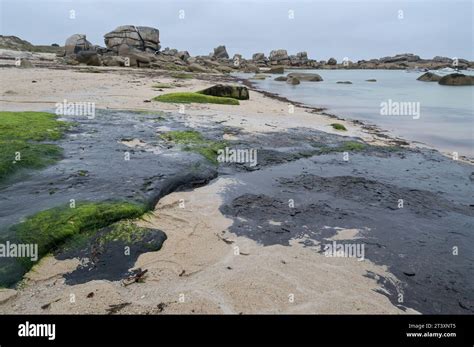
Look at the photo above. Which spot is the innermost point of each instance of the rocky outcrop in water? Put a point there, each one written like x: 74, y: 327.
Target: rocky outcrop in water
x: 310, y: 77
x: 429, y: 77
x: 293, y: 81
x: 411, y: 61
x: 457, y: 79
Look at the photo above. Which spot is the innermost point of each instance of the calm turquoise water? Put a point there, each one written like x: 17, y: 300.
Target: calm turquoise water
x: 446, y: 117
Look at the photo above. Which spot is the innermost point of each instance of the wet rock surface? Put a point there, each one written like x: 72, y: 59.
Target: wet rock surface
x: 456, y: 79
x: 228, y: 91
x: 425, y: 242
x: 98, y: 166
x: 111, y: 252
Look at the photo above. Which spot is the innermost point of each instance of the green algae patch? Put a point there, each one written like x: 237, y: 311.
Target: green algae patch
x: 127, y: 232
x: 352, y: 146
x: 21, y: 137
x: 338, y: 126
x: 195, y: 142
x: 187, y: 98
x: 347, y: 146
x: 51, y: 228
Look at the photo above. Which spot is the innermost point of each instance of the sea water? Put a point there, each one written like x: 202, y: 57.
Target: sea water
x: 446, y: 113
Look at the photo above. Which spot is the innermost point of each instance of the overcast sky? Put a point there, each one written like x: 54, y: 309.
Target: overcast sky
x: 324, y: 28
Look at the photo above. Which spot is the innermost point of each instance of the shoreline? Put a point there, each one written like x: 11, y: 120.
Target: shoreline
x: 378, y: 132
x: 373, y: 129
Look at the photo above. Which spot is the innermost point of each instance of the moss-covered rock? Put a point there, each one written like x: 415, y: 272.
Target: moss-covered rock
x: 227, y: 91
x: 187, y: 98
x: 49, y: 229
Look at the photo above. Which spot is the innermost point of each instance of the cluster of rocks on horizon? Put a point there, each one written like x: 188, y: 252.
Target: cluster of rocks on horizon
x: 139, y: 46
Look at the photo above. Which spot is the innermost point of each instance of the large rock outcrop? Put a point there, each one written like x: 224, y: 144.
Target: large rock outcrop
x: 258, y: 57
x: 220, y: 53
x: 90, y: 57
x: 133, y: 37
x: 300, y: 59
x: 77, y: 43
x: 279, y: 57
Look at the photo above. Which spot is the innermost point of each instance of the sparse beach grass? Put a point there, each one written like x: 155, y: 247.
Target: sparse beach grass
x: 187, y: 98
x: 21, y: 134
x: 195, y: 142
x: 338, y: 126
